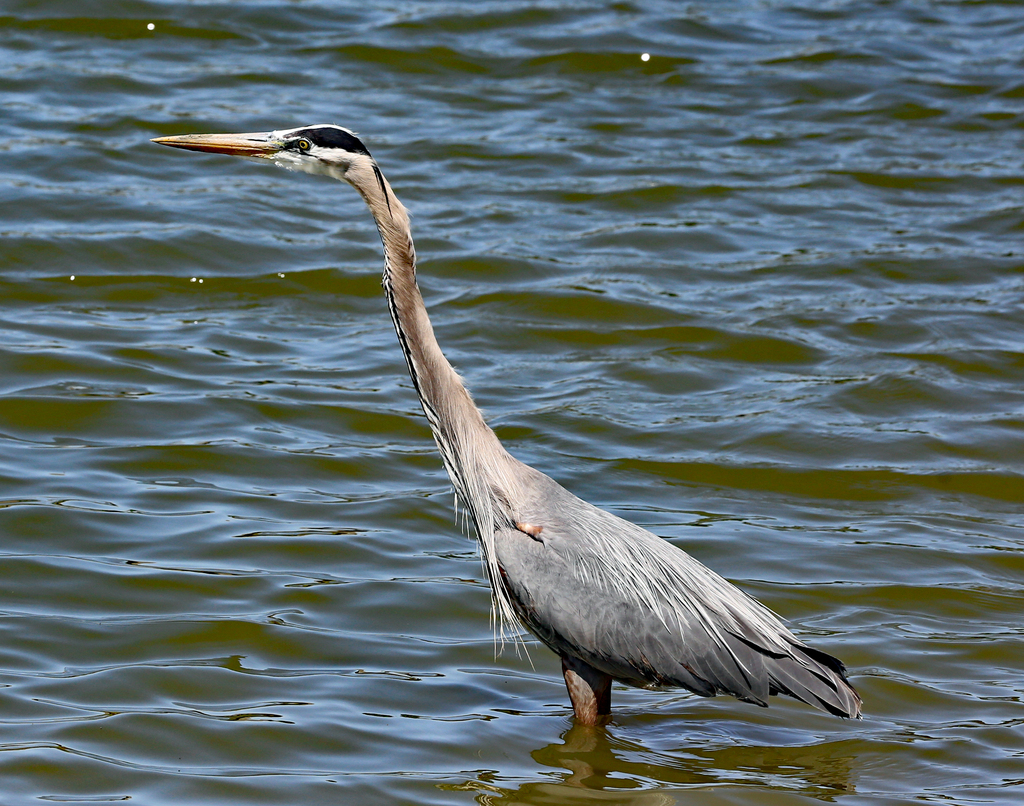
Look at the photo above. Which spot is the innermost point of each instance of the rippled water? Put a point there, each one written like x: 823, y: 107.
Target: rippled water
x: 761, y: 293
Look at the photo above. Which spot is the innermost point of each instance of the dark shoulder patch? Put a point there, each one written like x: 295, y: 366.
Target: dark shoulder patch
x: 333, y: 137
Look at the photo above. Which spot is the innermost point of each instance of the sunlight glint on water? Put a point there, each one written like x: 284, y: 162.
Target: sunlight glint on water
x: 759, y: 293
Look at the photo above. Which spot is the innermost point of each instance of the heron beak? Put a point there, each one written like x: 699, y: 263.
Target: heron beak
x: 252, y: 144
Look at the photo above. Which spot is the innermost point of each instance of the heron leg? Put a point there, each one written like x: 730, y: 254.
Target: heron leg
x: 589, y: 690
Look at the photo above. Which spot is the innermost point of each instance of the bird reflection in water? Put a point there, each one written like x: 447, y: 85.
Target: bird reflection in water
x: 601, y: 767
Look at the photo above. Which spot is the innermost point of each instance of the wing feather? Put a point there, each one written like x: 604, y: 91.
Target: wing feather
x: 631, y: 604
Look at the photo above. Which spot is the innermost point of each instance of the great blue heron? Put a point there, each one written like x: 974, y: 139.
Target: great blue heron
x: 613, y: 600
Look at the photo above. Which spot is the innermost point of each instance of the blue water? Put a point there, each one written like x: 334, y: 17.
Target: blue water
x: 760, y: 293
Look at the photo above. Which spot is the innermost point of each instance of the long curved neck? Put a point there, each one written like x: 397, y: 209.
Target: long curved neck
x: 485, y: 477
x: 474, y: 458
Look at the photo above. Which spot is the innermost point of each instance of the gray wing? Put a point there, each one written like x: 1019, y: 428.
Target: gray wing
x: 598, y: 588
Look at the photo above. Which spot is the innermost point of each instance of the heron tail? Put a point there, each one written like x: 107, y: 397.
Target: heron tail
x: 816, y: 678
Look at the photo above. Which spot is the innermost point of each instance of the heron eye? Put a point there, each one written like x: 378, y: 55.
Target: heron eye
x: 303, y: 145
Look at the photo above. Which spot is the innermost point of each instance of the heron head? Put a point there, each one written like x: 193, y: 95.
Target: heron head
x: 322, y: 148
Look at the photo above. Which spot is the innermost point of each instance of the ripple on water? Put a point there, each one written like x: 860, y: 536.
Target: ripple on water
x: 759, y: 293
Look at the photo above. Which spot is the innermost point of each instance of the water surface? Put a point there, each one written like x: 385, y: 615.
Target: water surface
x: 760, y: 293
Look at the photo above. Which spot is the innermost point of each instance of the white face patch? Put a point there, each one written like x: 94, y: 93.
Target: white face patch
x: 316, y: 160
x: 299, y: 161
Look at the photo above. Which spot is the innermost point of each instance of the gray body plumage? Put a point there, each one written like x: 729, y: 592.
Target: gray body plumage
x: 613, y: 600
x: 632, y: 605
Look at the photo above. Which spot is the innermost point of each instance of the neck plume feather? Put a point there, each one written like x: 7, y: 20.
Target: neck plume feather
x: 480, y: 469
